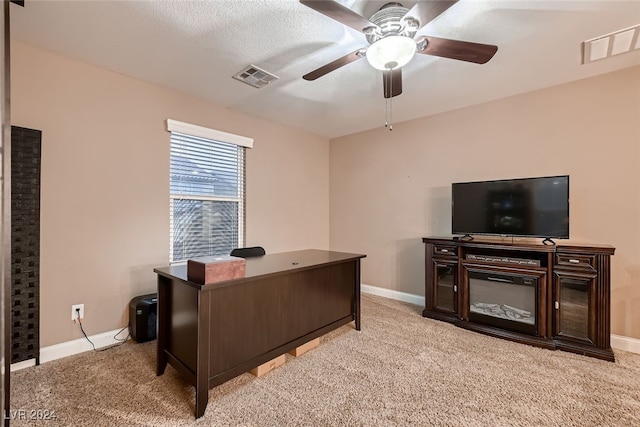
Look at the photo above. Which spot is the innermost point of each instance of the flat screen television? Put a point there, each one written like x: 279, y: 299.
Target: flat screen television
x: 526, y: 207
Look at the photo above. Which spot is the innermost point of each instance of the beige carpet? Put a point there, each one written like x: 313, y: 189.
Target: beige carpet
x: 400, y: 370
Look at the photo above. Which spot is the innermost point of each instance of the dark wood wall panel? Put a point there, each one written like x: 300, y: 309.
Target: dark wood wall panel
x: 25, y: 244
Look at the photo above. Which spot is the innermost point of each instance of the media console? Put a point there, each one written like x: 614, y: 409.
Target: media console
x: 550, y: 296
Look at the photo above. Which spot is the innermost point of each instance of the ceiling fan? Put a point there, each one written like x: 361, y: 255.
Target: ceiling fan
x: 390, y: 33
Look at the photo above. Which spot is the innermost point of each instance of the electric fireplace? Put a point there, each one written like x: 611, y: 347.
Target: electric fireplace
x: 504, y: 300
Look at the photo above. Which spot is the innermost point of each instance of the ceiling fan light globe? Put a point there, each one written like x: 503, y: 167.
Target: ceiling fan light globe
x: 391, y: 52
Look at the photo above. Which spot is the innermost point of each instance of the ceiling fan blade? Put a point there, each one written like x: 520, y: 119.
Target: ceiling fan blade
x: 456, y: 49
x: 392, y: 82
x: 427, y: 11
x: 340, y: 13
x: 334, y: 65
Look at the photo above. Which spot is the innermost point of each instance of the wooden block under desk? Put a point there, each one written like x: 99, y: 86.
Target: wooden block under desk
x: 268, y: 366
x: 299, y: 351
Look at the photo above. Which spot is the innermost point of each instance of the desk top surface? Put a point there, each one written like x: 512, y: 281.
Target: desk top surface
x: 267, y: 265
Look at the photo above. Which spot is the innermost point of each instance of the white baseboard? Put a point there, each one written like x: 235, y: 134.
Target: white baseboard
x: 619, y: 342
x: 69, y: 348
x: 391, y: 294
x: 24, y: 364
x: 625, y: 343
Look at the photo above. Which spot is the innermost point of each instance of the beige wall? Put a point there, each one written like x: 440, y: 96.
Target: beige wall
x: 389, y: 189
x: 105, y: 184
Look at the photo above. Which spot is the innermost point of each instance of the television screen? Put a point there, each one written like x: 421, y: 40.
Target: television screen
x: 533, y: 207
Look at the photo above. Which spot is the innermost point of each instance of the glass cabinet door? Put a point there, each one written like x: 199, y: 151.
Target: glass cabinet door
x: 445, y: 287
x: 574, y: 314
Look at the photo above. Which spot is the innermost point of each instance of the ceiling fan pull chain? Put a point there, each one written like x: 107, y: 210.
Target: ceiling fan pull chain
x: 389, y: 106
x: 390, y: 115
x: 389, y: 119
x: 386, y: 113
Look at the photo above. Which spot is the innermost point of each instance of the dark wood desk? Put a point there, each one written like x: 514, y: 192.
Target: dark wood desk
x: 212, y: 333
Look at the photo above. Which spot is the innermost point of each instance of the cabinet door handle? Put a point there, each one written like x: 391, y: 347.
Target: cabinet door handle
x: 574, y: 261
x: 557, y: 305
x: 444, y: 251
x: 455, y: 288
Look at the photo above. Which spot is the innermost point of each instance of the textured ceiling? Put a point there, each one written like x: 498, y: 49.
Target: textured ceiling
x: 196, y: 46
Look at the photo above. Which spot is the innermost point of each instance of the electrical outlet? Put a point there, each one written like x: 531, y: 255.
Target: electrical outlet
x: 74, y: 313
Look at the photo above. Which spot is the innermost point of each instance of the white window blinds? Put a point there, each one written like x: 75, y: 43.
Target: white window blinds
x: 207, y: 196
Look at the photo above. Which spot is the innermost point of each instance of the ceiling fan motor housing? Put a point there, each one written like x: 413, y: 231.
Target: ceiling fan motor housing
x: 390, y: 22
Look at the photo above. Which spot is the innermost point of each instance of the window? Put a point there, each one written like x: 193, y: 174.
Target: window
x: 206, y: 192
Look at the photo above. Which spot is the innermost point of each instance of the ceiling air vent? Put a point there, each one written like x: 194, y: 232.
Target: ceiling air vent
x: 611, y: 44
x: 255, y: 76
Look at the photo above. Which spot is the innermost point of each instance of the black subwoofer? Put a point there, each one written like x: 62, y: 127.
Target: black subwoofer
x: 142, y: 317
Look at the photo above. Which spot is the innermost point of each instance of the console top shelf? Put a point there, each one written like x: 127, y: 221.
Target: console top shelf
x: 520, y: 244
